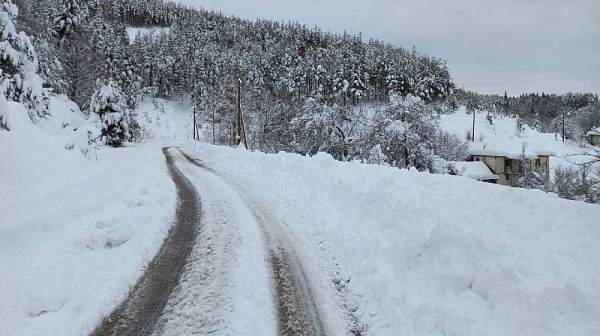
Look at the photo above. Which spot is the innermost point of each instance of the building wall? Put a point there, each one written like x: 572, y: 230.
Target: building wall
x: 496, y: 165
x: 594, y: 140
x: 509, y: 171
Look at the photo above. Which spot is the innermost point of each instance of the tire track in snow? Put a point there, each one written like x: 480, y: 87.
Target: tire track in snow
x: 297, y: 310
x: 139, y: 312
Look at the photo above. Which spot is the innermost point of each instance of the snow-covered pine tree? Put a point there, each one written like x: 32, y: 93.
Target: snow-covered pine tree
x: 109, y: 109
x: 50, y: 68
x: 19, y: 65
x: 67, y: 18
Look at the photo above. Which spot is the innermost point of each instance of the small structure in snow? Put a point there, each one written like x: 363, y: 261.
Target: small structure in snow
x: 593, y: 136
x: 476, y: 170
x: 509, y: 165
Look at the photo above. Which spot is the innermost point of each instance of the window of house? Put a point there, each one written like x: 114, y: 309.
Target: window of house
x: 538, y: 162
x: 476, y: 159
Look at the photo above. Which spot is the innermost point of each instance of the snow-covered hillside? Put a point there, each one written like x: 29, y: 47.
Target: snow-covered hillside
x: 503, y: 135
x: 165, y: 119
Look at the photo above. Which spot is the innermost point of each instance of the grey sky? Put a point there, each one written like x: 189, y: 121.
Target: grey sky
x: 491, y: 46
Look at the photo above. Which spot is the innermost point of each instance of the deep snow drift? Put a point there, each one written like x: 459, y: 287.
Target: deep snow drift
x: 434, y: 254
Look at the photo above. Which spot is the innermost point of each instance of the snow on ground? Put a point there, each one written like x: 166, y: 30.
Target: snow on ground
x: 35, y: 161
x: 502, y: 136
x: 431, y: 254
x: 164, y: 119
x: 133, y: 32
x: 74, y: 253
x: 75, y: 234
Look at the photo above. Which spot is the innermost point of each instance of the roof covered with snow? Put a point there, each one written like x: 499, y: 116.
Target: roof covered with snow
x: 476, y: 170
x: 512, y: 149
x: 593, y: 131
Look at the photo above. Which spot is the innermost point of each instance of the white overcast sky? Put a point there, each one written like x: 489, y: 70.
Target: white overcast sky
x: 491, y: 46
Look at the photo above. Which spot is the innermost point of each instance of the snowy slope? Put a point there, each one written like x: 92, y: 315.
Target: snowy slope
x: 502, y: 135
x: 133, y: 32
x: 74, y: 233
x: 164, y: 119
x: 432, y: 254
x: 35, y: 159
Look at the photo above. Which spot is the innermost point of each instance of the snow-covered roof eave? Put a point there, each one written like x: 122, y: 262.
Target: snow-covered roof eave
x: 545, y: 153
x: 528, y: 155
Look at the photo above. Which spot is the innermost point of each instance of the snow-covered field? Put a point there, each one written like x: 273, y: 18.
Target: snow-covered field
x: 414, y: 253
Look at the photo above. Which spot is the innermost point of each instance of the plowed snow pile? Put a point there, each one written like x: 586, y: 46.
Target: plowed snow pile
x: 433, y: 254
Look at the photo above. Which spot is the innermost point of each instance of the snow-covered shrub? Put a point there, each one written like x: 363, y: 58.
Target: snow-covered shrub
x: 109, y: 111
x: 321, y: 128
x: 85, y: 138
x: 19, y: 80
x: 580, y: 185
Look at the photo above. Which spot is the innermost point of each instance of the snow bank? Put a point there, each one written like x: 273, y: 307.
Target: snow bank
x: 36, y: 161
x: 71, y: 256
x: 432, y: 254
x: 75, y: 234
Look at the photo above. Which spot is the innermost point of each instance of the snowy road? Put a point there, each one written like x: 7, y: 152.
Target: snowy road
x: 235, y: 273
x: 297, y: 313
x: 138, y: 314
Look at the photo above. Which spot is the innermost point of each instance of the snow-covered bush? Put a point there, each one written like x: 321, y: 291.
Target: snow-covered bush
x: 19, y: 80
x: 577, y: 184
x: 85, y: 138
x: 108, y: 109
x: 320, y: 128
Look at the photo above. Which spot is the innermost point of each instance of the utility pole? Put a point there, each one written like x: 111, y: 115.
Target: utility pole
x: 473, y: 126
x: 240, y: 118
x: 195, y: 131
x: 213, y: 120
x: 563, y: 119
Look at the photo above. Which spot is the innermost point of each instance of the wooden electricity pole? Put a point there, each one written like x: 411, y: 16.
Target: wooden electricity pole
x: 195, y: 131
x: 473, y: 126
x: 563, y: 119
x: 241, y: 128
x: 239, y: 113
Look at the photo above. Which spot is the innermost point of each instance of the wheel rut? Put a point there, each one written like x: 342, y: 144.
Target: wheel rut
x: 297, y: 311
x: 141, y: 309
